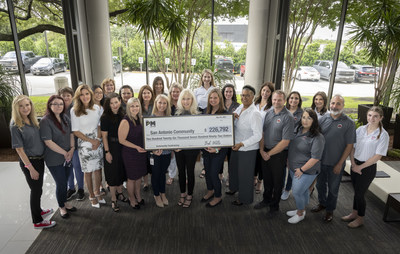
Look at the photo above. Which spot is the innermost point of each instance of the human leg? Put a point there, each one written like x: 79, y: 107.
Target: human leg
x: 246, y: 189
x: 233, y: 172
x: 190, y: 165
x: 181, y: 163
x: 333, y: 189
x: 61, y: 178
x: 322, y: 184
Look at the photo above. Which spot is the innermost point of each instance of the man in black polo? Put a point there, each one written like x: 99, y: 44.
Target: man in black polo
x: 278, y: 130
x: 340, y: 135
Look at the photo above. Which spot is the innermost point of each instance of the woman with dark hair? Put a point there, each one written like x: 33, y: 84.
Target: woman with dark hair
x: 305, y: 152
x: 263, y: 102
x: 113, y: 165
x: 55, y: 131
x: 146, y: 98
x: 161, y: 158
x: 98, y: 95
x: 130, y: 136
x: 158, y: 86
x: 25, y: 139
x: 319, y: 104
x: 372, y: 143
x: 85, y: 121
x: 125, y: 93
x: 201, y: 93
x: 108, y: 86
x: 186, y: 159
x: 213, y: 156
x: 293, y: 104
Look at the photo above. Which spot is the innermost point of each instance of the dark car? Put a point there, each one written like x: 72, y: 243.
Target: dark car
x: 364, y: 73
x: 9, y: 61
x: 48, y: 66
x: 225, y: 64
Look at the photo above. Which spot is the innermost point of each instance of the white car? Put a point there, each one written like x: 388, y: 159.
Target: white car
x: 307, y: 73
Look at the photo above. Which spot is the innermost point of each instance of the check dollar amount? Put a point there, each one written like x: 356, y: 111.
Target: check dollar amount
x: 188, y: 132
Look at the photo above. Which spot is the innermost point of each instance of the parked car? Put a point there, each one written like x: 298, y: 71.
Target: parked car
x: 307, y: 73
x: 224, y: 64
x: 9, y: 61
x: 48, y: 66
x: 364, y: 73
x: 343, y: 72
x: 117, y: 66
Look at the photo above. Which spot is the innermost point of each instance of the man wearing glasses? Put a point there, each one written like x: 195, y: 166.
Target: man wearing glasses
x: 248, y: 132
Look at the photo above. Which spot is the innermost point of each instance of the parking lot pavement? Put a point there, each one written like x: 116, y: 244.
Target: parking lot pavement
x: 44, y: 85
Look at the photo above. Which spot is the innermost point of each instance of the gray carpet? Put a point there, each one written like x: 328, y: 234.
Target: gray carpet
x: 224, y: 229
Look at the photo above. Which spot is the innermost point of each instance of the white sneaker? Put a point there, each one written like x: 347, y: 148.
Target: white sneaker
x: 285, y: 195
x: 291, y: 213
x: 295, y: 219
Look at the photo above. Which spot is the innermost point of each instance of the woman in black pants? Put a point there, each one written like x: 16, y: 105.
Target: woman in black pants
x: 26, y: 140
x: 214, y: 157
x: 372, y: 144
x: 186, y: 159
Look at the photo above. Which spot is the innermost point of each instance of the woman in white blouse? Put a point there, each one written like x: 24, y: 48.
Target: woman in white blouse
x: 372, y: 144
x: 201, y: 93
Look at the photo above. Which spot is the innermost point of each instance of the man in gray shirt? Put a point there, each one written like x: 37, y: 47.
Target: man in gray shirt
x: 340, y: 135
x: 278, y: 130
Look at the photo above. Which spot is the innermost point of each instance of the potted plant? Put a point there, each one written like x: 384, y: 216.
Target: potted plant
x: 8, y: 90
x: 377, y: 29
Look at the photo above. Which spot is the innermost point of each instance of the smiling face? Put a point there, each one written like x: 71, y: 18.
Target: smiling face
x: 159, y: 87
x: 187, y: 101
x: 109, y: 87
x: 247, y: 97
x: 134, y: 109
x: 67, y: 99
x: 25, y: 108
x: 278, y: 101
x: 57, y: 106
x: 175, y: 92
x: 146, y: 95
x: 306, y: 121
x: 336, y: 106
x: 85, y: 97
x: 214, y: 100
x: 162, y: 105
x: 98, y: 95
x: 265, y: 92
x: 374, y: 118
x: 115, y: 103
x: 228, y: 93
x: 294, y: 100
x: 126, y: 94
x: 206, y: 78
x: 319, y: 102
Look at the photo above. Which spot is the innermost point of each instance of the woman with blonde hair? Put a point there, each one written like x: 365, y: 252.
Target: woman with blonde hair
x: 130, y: 136
x: 108, y: 86
x: 25, y: 138
x: 201, y: 93
x: 186, y: 159
x: 85, y: 121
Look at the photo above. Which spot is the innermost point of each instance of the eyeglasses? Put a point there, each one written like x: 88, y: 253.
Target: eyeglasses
x: 57, y: 104
x: 245, y: 95
x: 98, y: 92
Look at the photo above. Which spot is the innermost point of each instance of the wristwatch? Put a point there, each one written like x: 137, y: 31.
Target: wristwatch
x: 106, y: 151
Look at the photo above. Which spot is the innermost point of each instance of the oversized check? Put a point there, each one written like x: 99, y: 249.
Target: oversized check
x: 188, y: 132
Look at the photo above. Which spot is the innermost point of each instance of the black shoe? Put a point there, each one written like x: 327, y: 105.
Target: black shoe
x: 317, y: 208
x: 230, y: 193
x: 103, y: 191
x: 64, y: 216
x: 237, y: 203
x: 260, y: 205
x: 72, y: 209
x: 146, y: 188
x: 328, y: 217
x: 141, y: 202
x: 81, y: 195
x: 70, y: 193
x: 273, y: 212
x: 136, y: 207
x: 208, y: 205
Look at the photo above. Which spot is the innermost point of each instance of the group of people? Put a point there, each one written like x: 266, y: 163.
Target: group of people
x: 277, y: 143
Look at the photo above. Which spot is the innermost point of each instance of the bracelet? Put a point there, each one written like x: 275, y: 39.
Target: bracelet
x: 301, y: 170
x: 27, y: 166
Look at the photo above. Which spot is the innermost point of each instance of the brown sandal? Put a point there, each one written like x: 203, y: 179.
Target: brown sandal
x: 187, y: 202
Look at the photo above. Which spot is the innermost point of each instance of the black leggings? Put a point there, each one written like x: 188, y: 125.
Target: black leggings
x: 36, y: 188
x: 186, y: 161
x: 361, y: 184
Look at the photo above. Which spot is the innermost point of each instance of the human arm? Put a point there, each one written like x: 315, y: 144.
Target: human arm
x: 108, y: 156
x: 309, y: 164
x: 263, y: 153
x: 95, y: 142
x: 123, y: 131
x: 338, y: 167
x: 28, y: 165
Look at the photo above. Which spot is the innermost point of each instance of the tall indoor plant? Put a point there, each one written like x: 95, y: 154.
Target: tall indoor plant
x: 377, y: 28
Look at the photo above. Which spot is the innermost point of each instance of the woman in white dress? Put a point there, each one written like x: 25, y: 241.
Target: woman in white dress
x: 85, y: 121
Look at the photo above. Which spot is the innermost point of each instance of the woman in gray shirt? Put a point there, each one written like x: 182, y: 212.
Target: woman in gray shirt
x: 305, y: 152
x: 55, y: 131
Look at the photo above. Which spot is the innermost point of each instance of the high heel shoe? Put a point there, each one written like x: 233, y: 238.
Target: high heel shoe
x: 164, y: 199
x: 97, y: 205
x: 114, y: 206
x: 159, y: 202
x: 121, y: 197
x: 102, y: 200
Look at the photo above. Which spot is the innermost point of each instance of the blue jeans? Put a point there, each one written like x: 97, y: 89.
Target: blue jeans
x: 60, y: 174
x: 159, y: 170
x: 328, y: 187
x: 78, y: 173
x: 288, y: 185
x: 212, y: 166
x: 300, y: 189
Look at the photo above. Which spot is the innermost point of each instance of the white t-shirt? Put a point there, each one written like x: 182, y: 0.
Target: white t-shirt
x: 369, y: 145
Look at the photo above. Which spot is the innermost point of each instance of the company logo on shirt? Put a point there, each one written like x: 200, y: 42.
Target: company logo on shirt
x: 278, y: 121
x: 373, y: 137
x: 339, y: 125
